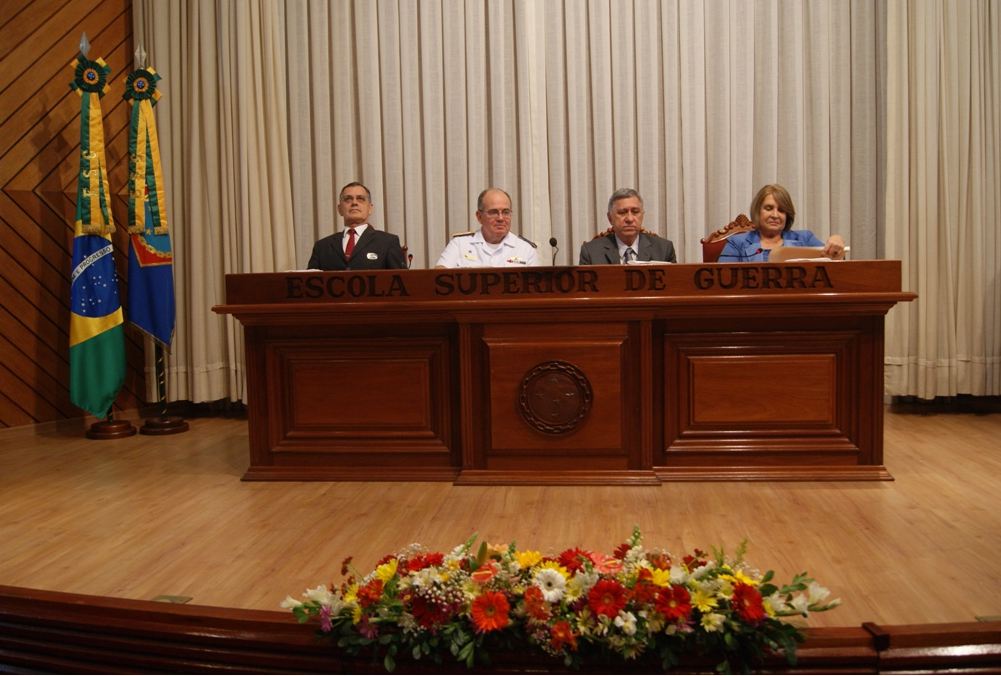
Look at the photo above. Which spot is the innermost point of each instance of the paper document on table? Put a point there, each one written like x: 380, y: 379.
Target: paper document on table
x: 787, y: 254
x: 635, y: 262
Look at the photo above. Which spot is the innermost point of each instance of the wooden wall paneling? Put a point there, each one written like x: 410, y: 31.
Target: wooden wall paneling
x: 37, y: 35
x: 52, y: 402
x: 39, y: 148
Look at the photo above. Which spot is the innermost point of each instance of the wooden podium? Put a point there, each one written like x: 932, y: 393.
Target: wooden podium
x: 568, y: 375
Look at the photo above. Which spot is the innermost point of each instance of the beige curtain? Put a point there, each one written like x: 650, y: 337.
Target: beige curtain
x: 271, y: 106
x: 943, y: 193
x: 222, y: 122
x: 694, y: 103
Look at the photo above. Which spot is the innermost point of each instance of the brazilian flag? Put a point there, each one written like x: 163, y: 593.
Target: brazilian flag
x: 97, y: 338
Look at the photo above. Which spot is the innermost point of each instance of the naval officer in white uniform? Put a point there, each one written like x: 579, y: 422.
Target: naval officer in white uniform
x: 493, y: 245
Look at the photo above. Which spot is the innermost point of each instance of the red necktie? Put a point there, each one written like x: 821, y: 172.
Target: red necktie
x: 349, y: 249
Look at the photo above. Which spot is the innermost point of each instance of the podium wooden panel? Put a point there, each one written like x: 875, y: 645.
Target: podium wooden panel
x: 606, y: 374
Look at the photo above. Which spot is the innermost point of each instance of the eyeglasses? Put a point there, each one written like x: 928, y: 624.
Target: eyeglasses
x: 494, y: 213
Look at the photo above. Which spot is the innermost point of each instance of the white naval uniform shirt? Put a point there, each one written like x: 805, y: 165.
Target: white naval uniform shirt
x: 472, y: 251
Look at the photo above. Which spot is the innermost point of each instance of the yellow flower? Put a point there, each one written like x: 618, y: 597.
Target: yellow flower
x: 527, y: 559
x: 495, y: 551
x: 554, y: 565
x: 660, y: 577
x: 351, y: 595
x: 740, y: 576
x: 356, y: 614
x: 767, y: 604
x: 386, y: 571
x: 703, y: 600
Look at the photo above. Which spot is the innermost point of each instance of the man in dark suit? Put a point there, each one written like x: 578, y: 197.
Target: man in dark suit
x: 359, y: 246
x: 627, y: 241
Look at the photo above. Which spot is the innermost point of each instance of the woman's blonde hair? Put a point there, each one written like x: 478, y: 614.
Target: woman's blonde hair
x: 782, y: 198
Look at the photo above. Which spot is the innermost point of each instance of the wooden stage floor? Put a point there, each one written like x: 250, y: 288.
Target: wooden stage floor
x: 147, y: 516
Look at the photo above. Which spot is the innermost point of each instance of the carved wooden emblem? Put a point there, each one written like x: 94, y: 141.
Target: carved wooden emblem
x: 554, y: 397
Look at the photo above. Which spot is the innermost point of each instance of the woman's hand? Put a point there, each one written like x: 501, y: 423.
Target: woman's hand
x: 835, y: 247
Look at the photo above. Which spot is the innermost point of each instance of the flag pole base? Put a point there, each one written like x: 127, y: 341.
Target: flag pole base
x: 111, y: 429
x: 164, y: 424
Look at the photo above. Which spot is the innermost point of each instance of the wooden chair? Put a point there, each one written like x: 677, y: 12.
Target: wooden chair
x: 713, y: 244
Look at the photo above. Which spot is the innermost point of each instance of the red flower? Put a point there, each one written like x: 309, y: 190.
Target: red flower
x: 659, y: 560
x: 621, y: 551
x: 573, y: 559
x: 422, y: 561
x: 427, y: 612
x: 346, y: 565
x: 694, y: 560
x: 489, y: 611
x: 535, y: 604
x: 607, y: 598
x: 747, y: 602
x: 674, y: 602
x: 561, y: 636
x: 643, y: 593
x: 370, y: 593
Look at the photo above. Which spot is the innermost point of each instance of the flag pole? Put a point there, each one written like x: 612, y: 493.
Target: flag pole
x: 163, y: 423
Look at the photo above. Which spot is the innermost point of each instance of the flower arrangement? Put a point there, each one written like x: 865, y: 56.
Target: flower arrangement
x: 577, y: 606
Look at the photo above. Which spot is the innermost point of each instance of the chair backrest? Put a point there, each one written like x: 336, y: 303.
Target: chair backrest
x: 713, y: 244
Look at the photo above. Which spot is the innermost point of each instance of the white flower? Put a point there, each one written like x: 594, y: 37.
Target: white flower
x: 678, y: 575
x: 702, y: 571
x: 800, y: 604
x: 635, y: 555
x: 320, y: 594
x: 457, y: 554
x: 580, y: 584
x: 425, y: 578
x: 290, y: 603
x: 552, y: 583
x: 817, y: 593
x: 777, y: 602
x: 712, y: 621
x: 626, y: 621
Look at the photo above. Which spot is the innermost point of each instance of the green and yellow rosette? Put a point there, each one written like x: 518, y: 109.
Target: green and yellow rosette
x: 93, y: 198
x: 145, y: 173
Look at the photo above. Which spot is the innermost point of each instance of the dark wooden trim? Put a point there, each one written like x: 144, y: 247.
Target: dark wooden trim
x: 62, y: 632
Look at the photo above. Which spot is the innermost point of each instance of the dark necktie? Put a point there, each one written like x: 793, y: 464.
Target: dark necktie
x: 628, y: 255
x: 350, y: 248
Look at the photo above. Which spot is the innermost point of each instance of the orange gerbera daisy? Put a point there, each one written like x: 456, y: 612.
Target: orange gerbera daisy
x: 489, y: 611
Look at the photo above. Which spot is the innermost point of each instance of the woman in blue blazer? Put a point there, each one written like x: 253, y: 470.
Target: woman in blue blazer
x: 773, y: 213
